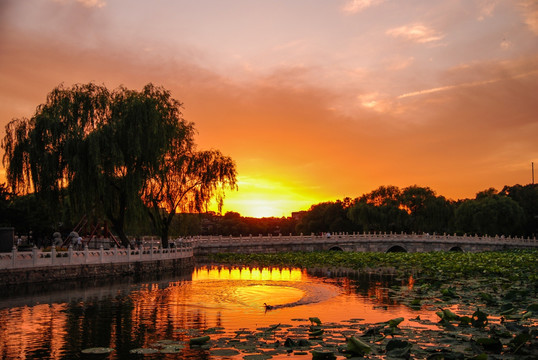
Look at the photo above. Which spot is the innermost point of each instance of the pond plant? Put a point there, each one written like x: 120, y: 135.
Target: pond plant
x: 486, y: 304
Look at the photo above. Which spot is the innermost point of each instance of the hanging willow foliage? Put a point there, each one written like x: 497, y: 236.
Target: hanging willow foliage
x: 109, y: 149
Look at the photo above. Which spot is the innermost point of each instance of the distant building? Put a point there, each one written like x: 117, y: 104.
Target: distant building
x: 298, y: 215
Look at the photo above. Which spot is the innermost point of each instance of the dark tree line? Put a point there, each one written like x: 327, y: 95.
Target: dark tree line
x: 511, y: 211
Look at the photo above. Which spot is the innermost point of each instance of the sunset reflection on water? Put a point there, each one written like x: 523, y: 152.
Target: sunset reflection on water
x: 127, y: 316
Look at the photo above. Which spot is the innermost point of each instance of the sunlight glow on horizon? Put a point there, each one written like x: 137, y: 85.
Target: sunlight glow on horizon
x: 264, y: 197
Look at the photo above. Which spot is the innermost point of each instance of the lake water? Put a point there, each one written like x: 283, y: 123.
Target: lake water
x: 58, y: 321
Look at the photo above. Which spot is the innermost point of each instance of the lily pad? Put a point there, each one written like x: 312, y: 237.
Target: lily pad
x: 224, y: 352
x: 323, y: 355
x: 172, y: 349
x: 97, y: 350
x: 357, y: 347
x: 143, y: 351
x: 199, y: 340
x: 257, y: 357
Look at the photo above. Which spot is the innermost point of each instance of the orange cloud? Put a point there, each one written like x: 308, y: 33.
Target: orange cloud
x: 529, y: 9
x: 415, y: 32
x: 355, y: 6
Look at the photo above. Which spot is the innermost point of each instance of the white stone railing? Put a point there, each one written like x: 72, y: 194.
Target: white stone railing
x: 38, y: 258
x: 208, y: 241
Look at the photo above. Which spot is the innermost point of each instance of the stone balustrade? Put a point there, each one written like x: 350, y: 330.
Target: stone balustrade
x: 381, y: 242
x: 219, y: 239
x: 204, y: 245
x: 37, y: 258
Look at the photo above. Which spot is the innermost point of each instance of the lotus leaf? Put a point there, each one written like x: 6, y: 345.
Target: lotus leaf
x: 323, y: 355
x: 516, y: 343
x: 97, y: 350
x: 357, y: 347
x: 490, y: 344
x: 395, y: 322
x: 448, y: 293
x: 172, y: 349
x: 224, y: 352
x: 482, y: 356
x: 446, y: 355
x: 272, y: 328
x: 315, y: 320
x: 398, y: 348
x: 479, y: 319
x: 143, y: 351
x: 257, y: 357
x: 487, y: 298
x: 447, y: 315
x: 199, y: 340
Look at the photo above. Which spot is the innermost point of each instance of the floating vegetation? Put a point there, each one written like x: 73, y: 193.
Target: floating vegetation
x: 485, y: 303
x: 97, y: 350
x: 143, y: 351
x: 199, y: 341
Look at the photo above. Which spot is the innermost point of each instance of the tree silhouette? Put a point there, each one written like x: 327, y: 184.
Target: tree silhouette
x: 108, y: 149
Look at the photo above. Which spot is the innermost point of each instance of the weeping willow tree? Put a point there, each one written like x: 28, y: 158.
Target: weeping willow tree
x: 187, y: 182
x: 96, y: 150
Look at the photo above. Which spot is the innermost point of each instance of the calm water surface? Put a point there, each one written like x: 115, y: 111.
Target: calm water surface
x: 58, y: 324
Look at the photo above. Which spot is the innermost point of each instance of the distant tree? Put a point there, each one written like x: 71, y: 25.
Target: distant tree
x: 380, y: 210
x: 490, y: 214
x: 384, y: 218
x: 427, y: 212
x: 326, y: 217
x: 383, y: 195
x: 232, y: 223
x: 527, y: 197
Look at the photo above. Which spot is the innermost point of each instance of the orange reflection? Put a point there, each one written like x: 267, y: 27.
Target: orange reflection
x: 32, y: 328
x: 246, y: 273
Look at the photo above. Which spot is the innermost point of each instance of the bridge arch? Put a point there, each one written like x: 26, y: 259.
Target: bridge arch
x: 335, y: 248
x: 396, y: 248
x: 456, y: 249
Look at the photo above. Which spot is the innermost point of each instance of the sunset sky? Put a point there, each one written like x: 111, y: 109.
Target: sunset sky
x: 315, y: 100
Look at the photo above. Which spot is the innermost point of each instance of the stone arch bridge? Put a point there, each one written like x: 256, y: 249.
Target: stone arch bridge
x: 358, y: 242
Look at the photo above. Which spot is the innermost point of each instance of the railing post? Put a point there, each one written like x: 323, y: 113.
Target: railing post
x: 13, y: 256
x: 86, y: 254
x: 34, y: 255
x: 129, y: 253
x: 115, y: 253
x: 101, y: 253
x: 52, y: 254
x: 69, y: 253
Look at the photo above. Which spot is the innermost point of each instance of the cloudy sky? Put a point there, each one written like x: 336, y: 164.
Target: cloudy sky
x: 315, y: 100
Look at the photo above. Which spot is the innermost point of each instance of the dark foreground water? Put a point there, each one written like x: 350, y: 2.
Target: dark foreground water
x: 58, y: 321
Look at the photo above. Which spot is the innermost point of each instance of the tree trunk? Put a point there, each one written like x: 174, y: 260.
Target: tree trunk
x: 164, y: 237
x: 123, y: 238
